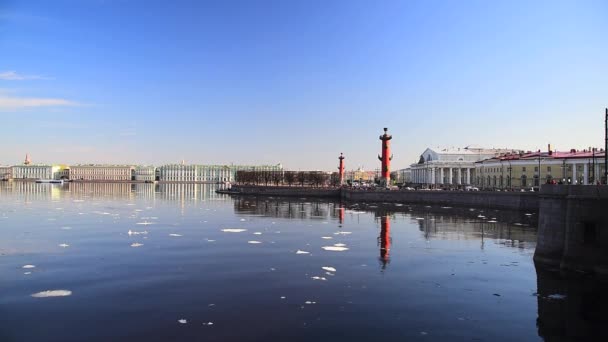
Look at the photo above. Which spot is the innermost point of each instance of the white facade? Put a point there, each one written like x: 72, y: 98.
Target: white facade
x: 101, y: 172
x: 145, y: 173
x: 450, y: 166
x: 207, y: 173
x: 6, y: 172
x: 32, y: 172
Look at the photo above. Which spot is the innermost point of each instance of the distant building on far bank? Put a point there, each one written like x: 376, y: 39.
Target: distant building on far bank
x: 92, y: 172
x: 6, y: 172
x: 450, y: 166
x: 145, y: 173
x: 207, y: 173
x: 360, y: 175
x: 32, y: 171
x: 522, y: 170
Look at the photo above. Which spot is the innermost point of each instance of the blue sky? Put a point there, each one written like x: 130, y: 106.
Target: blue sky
x: 296, y: 82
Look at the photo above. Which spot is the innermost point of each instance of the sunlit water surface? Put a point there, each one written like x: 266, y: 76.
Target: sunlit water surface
x: 179, y: 262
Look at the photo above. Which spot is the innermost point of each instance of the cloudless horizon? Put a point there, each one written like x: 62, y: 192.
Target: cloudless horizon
x: 296, y: 82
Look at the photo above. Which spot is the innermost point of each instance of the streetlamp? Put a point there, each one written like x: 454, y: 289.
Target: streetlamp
x: 510, y: 178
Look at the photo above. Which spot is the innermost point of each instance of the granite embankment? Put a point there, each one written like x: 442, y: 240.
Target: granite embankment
x: 288, y: 191
x: 572, y: 220
x: 483, y: 199
x: 573, y: 228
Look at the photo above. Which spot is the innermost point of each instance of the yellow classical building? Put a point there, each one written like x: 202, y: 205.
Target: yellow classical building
x: 530, y: 169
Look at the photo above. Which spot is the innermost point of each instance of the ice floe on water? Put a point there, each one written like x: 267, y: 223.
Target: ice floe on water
x: 318, y: 278
x: 342, y: 233
x: 243, y: 220
x: 132, y: 232
x: 27, y: 273
x: 182, y: 321
x: 339, y: 245
x: 329, y: 268
x: 302, y: 252
x: 491, y: 221
x: 208, y: 323
x: 66, y: 228
x: 145, y: 223
x: 335, y: 248
x: 136, y: 244
x: 257, y: 233
x: 326, y: 237
x: 29, y: 266
x: 234, y: 230
x: 175, y: 235
x: 253, y: 242
x: 419, y: 218
x: 52, y: 293
x: 308, y: 302
x: 64, y: 245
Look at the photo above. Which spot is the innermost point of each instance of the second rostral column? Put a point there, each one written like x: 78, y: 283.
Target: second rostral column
x: 385, y: 159
x: 341, y: 169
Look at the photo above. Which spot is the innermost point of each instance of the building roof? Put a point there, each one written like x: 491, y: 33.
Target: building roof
x: 572, y: 154
x: 471, y: 149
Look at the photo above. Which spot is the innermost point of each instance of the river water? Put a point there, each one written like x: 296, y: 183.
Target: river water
x: 177, y: 262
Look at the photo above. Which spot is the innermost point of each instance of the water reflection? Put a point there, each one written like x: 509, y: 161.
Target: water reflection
x: 571, y: 308
x: 112, y: 191
x: 453, y: 273
x: 384, y: 240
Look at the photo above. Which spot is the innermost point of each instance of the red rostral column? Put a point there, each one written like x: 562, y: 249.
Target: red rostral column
x: 341, y: 168
x: 385, y: 159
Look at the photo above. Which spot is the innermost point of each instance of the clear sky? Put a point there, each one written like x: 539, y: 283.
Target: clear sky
x: 296, y: 82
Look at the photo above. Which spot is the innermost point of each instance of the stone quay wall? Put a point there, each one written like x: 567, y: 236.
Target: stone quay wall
x: 480, y: 199
x: 289, y: 191
x: 573, y: 228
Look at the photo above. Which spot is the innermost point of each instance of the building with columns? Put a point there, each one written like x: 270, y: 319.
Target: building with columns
x: 450, y: 167
x: 32, y: 171
x: 208, y: 173
x: 6, y: 172
x: 145, y: 173
x: 530, y: 169
x: 102, y: 172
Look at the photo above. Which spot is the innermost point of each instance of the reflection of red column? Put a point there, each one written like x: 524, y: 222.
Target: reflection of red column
x: 385, y: 159
x: 341, y: 215
x: 385, y: 240
x: 341, y: 168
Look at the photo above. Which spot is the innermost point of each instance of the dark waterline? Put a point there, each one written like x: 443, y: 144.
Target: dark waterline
x: 427, y: 273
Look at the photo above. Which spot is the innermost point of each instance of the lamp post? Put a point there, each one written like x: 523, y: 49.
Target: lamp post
x: 539, y: 168
x: 593, y: 162
x: 606, y: 148
x: 510, y: 178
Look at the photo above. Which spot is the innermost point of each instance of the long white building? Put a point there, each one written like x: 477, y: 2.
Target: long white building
x: 102, y: 172
x: 32, y: 171
x: 145, y: 173
x: 207, y: 173
x: 450, y: 166
x: 6, y: 172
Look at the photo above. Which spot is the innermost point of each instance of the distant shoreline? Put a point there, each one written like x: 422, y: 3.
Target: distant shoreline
x: 115, y: 181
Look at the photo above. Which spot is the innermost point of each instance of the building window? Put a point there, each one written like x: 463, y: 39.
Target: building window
x: 523, y: 169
